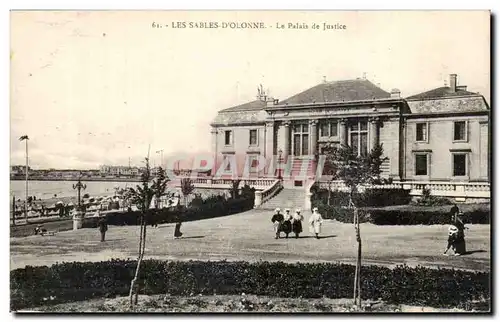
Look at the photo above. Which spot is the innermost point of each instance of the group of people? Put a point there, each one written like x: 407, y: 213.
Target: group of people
x: 289, y: 223
x: 456, y: 233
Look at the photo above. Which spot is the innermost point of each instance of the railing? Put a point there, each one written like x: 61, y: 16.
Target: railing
x: 436, y: 188
x: 223, y: 183
x: 266, y: 194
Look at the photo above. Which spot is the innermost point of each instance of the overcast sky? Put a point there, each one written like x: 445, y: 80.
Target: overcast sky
x: 97, y: 88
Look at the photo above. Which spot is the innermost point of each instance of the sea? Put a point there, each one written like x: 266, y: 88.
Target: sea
x: 54, y: 189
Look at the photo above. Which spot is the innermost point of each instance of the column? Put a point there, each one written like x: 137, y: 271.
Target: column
x: 313, y: 129
x: 343, y: 131
x: 374, y: 133
x: 269, y: 140
x: 214, y: 149
x: 287, y: 140
x: 269, y: 146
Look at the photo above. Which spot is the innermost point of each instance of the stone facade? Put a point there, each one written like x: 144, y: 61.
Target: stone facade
x: 442, y: 150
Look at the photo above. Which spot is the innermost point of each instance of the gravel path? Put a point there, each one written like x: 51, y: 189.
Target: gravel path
x: 249, y: 236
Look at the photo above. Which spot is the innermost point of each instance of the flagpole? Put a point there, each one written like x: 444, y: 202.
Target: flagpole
x: 26, y: 203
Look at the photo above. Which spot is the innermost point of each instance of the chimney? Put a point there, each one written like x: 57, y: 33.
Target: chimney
x: 395, y: 93
x: 453, y: 82
x: 270, y: 101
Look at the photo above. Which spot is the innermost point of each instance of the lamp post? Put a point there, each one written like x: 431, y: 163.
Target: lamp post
x: 280, y: 160
x: 79, y: 186
x: 26, y: 139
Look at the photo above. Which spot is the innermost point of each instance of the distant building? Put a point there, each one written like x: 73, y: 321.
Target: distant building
x: 19, y: 169
x: 107, y: 170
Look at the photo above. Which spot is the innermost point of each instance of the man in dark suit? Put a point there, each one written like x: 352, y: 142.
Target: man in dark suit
x: 103, y: 227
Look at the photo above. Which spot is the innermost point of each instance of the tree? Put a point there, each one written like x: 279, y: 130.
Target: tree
x: 355, y: 171
x: 235, y: 187
x: 187, y: 188
x: 142, y: 196
x: 160, y: 186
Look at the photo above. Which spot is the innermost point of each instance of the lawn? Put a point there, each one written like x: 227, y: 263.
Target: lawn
x: 249, y: 236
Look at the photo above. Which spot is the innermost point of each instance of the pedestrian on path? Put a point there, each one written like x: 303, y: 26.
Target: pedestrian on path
x: 315, y: 222
x: 102, y: 224
x: 277, y: 220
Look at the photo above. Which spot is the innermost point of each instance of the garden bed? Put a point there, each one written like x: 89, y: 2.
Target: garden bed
x: 76, y: 281
x: 237, y: 303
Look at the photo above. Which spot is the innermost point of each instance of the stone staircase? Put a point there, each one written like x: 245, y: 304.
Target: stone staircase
x: 300, y: 168
x: 286, y: 198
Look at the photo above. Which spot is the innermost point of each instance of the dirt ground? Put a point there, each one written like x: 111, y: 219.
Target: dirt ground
x: 232, y: 303
x: 249, y: 236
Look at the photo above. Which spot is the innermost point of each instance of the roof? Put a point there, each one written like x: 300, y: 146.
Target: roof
x: 441, y: 92
x: 339, y: 91
x: 454, y: 104
x: 250, y: 106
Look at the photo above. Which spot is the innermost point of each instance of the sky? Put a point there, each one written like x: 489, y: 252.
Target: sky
x: 94, y: 88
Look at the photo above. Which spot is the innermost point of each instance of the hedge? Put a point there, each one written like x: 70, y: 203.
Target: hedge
x: 369, y: 198
x: 169, y: 215
x: 67, y: 282
x: 410, y: 216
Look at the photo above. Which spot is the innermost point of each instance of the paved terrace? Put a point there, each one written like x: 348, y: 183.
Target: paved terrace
x: 249, y: 236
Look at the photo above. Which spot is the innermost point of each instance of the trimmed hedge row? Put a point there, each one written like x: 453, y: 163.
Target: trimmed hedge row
x: 66, y: 282
x: 370, y: 198
x: 205, y: 211
x: 396, y: 217
x: 400, y: 217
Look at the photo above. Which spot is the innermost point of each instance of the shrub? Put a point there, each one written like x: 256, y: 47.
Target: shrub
x: 215, y: 206
x: 341, y: 214
x: 429, y: 200
x: 370, y: 198
x: 408, y: 216
x: 66, y: 282
x: 419, y: 217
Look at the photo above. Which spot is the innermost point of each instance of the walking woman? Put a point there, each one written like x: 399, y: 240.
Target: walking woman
x: 177, y: 230
x: 277, y: 219
x: 315, y: 222
x: 456, y: 234
x: 297, y: 223
x: 286, y: 226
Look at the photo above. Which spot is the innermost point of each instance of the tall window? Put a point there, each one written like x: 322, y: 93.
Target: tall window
x: 300, y: 139
x: 358, y: 136
x: 460, y: 131
x: 253, y: 137
x: 421, y: 132
x: 459, y: 164
x: 328, y: 128
x: 421, y: 164
x: 228, y: 160
x: 228, y: 137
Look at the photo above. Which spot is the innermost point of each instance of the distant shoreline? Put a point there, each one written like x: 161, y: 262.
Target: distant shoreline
x: 34, y: 178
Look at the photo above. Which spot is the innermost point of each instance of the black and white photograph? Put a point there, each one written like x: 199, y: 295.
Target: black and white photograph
x: 250, y: 162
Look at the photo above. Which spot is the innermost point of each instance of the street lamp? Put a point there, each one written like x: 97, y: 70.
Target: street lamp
x: 280, y: 160
x: 79, y: 186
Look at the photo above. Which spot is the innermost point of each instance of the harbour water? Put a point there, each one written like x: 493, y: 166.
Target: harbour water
x: 47, y: 189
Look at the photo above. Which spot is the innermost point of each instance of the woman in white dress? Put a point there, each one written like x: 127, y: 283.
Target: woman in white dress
x: 315, y: 222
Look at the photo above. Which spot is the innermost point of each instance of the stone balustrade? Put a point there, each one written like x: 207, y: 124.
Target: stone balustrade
x: 437, y: 188
x: 265, y: 195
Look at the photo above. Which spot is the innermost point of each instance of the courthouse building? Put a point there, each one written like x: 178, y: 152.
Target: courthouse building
x: 440, y: 135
